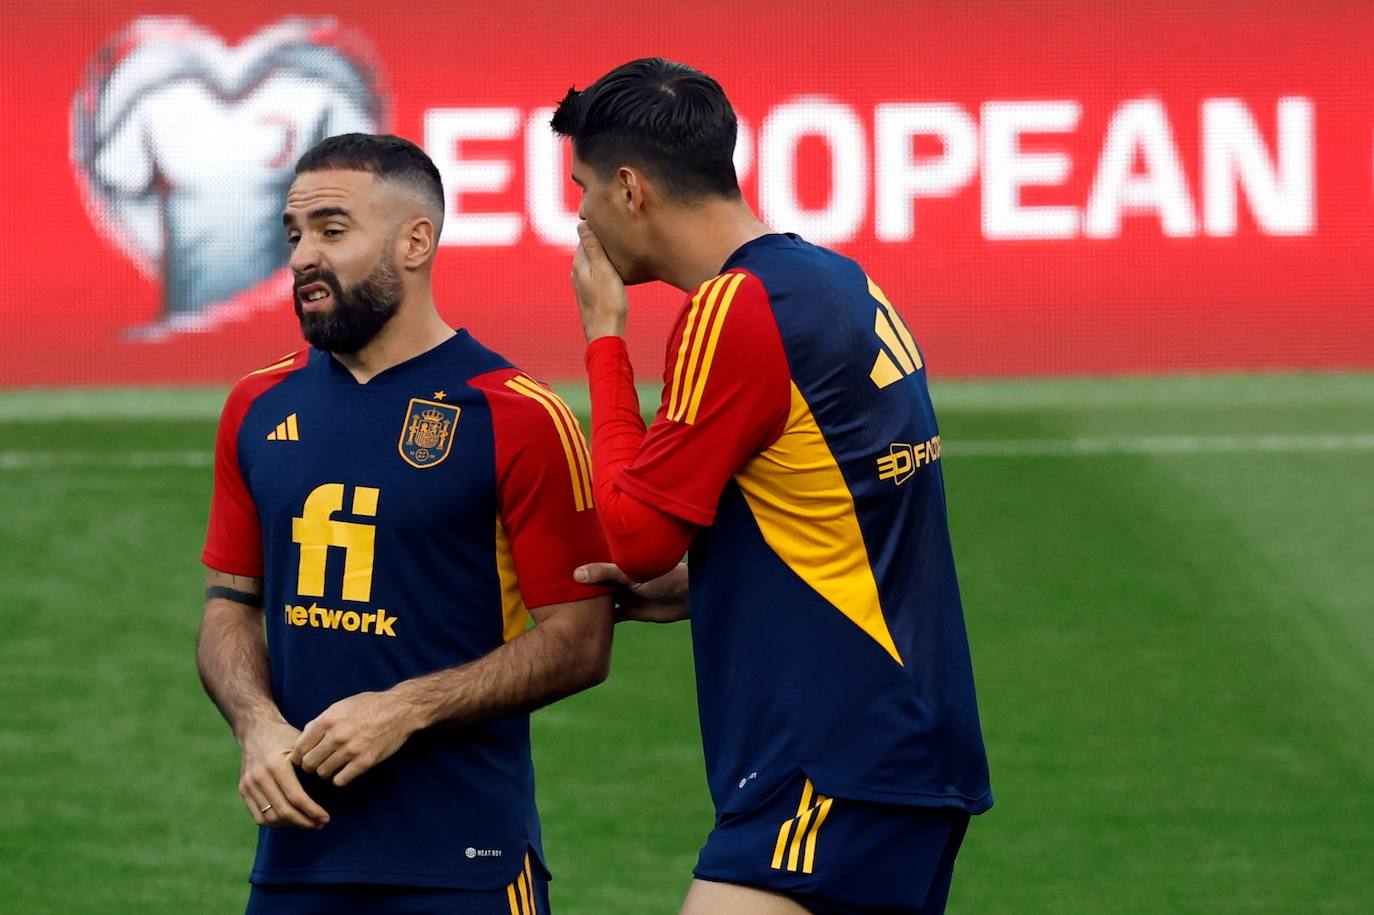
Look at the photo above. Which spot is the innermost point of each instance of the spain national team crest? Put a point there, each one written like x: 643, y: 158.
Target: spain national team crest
x: 427, y: 436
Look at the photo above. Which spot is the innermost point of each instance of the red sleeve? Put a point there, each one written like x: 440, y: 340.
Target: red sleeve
x: 726, y: 396
x: 644, y: 541
x: 233, y: 542
x: 544, y: 489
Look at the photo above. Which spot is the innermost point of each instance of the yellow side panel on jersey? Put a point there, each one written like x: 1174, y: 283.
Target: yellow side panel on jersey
x: 798, y: 496
x: 514, y: 613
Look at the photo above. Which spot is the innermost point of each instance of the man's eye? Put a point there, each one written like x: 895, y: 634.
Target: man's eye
x: 333, y: 233
x: 292, y: 239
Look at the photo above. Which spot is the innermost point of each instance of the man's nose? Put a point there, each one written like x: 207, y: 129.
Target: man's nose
x: 305, y: 257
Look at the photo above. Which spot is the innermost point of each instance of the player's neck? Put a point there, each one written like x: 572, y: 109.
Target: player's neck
x: 415, y: 328
x: 704, y: 237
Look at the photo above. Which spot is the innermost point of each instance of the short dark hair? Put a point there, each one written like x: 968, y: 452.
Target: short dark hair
x: 384, y: 155
x: 667, y: 118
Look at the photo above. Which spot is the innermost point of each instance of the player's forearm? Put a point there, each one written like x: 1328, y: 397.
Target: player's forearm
x: 550, y: 661
x: 644, y: 542
x: 617, y: 428
x: 231, y: 655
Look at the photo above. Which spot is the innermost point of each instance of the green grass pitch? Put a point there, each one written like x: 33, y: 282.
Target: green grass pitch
x: 1169, y: 587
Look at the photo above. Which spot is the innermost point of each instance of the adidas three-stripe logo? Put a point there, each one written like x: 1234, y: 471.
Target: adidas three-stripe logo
x: 800, y: 852
x: 286, y: 431
x: 897, y: 343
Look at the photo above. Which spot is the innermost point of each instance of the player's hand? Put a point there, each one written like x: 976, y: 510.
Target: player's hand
x: 660, y: 600
x: 353, y: 735
x: 600, y: 290
x: 267, y: 779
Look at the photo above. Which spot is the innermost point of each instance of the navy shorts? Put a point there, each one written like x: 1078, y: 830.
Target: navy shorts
x: 836, y: 856
x: 527, y: 895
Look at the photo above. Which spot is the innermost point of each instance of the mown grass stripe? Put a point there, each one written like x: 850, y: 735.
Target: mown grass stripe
x: 1083, y: 446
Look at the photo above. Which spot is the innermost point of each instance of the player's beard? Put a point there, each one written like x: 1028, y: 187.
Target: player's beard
x: 358, y: 313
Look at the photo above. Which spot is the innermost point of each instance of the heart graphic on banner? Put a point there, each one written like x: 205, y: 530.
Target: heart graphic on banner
x: 184, y: 148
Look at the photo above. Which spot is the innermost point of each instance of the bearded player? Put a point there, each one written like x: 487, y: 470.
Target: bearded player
x: 397, y: 501
x: 796, y: 456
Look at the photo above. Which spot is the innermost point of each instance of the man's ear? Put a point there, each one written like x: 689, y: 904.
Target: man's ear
x: 420, y: 238
x: 631, y: 189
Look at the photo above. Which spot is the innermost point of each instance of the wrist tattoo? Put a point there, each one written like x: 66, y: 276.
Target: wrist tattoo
x: 233, y: 594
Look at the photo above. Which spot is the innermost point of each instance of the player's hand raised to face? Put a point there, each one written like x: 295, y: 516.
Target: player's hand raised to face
x: 268, y: 783
x: 600, y: 290
x: 661, y: 600
x: 352, y: 736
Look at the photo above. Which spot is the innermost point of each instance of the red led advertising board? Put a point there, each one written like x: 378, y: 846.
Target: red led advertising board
x: 1044, y: 187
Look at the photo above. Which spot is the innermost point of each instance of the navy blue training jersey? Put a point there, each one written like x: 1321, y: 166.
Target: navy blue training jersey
x: 401, y: 527
x: 797, y: 430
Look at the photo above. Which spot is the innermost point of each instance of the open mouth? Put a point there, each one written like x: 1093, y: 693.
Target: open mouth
x: 314, y: 296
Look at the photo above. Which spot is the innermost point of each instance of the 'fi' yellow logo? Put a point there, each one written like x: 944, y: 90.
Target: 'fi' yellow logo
x: 316, y: 530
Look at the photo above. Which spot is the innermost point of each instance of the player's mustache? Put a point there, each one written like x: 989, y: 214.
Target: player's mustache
x: 319, y: 276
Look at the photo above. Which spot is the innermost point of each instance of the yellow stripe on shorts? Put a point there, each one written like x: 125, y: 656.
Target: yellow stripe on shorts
x: 802, y: 829
x: 520, y: 893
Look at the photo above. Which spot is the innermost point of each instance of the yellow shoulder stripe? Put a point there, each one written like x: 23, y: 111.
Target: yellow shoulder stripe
x: 675, y: 389
x: 569, y: 434
x: 698, y: 348
x: 284, y: 363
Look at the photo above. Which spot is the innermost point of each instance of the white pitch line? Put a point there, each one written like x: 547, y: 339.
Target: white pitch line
x: 1083, y: 446
x: 133, y: 460
x: 1146, y: 445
